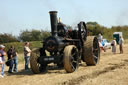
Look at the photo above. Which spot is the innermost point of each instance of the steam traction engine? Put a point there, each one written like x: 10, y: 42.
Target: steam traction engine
x: 66, y: 47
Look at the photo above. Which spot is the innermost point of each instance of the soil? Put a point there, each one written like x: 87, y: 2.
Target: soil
x: 111, y: 70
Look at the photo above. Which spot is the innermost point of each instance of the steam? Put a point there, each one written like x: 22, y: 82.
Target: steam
x: 49, y: 4
x: 123, y: 18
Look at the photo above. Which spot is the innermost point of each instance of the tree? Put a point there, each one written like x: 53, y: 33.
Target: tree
x: 25, y: 36
x: 94, y: 28
x: 44, y: 34
x: 33, y: 35
x: 5, y: 38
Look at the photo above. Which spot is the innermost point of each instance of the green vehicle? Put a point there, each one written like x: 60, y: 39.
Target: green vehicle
x: 117, y: 36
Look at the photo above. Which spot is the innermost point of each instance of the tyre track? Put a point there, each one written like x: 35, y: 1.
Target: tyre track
x: 95, y: 74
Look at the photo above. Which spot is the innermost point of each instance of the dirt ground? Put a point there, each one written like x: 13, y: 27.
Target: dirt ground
x: 111, y: 70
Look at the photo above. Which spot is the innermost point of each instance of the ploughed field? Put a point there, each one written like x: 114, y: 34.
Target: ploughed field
x: 111, y: 70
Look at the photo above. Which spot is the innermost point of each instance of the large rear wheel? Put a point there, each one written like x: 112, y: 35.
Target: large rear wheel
x: 91, y: 51
x: 71, y: 58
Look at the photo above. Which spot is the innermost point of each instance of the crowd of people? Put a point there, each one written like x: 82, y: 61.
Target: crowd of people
x: 12, y: 60
x: 113, y: 44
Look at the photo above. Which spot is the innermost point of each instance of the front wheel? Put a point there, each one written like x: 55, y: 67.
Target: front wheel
x: 35, y: 66
x: 71, y: 58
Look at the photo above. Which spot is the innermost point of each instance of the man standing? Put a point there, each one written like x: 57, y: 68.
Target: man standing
x: 121, y: 41
x: 3, y: 54
x: 27, y: 53
x: 12, y: 56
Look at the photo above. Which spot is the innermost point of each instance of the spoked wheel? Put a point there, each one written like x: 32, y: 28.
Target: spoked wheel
x: 71, y: 58
x: 35, y: 66
x: 91, y: 51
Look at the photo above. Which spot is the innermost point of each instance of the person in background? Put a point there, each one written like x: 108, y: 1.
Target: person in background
x: 100, y: 37
x: 27, y: 53
x: 1, y: 62
x: 113, y: 44
x: 12, y: 56
x: 10, y: 59
x: 3, y: 54
x: 15, y: 59
x: 101, y: 45
x: 121, y: 41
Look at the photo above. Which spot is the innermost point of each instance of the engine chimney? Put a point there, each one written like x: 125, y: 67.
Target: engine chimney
x: 53, y: 18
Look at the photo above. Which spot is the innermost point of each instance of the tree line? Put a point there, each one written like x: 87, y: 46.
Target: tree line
x: 38, y: 35
x: 94, y: 29
x: 25, y: 35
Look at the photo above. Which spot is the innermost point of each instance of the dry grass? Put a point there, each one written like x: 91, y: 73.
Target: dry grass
x: 126, y: 41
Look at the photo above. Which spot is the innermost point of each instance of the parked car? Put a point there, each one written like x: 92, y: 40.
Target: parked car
x: 106, y: 44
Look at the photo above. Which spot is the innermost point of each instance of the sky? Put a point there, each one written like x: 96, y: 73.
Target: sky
x: 19, y: 15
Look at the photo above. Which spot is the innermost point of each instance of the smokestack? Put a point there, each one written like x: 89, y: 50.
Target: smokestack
x: 53, y: 18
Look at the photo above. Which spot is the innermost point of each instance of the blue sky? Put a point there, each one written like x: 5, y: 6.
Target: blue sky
x: 18, y: 15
